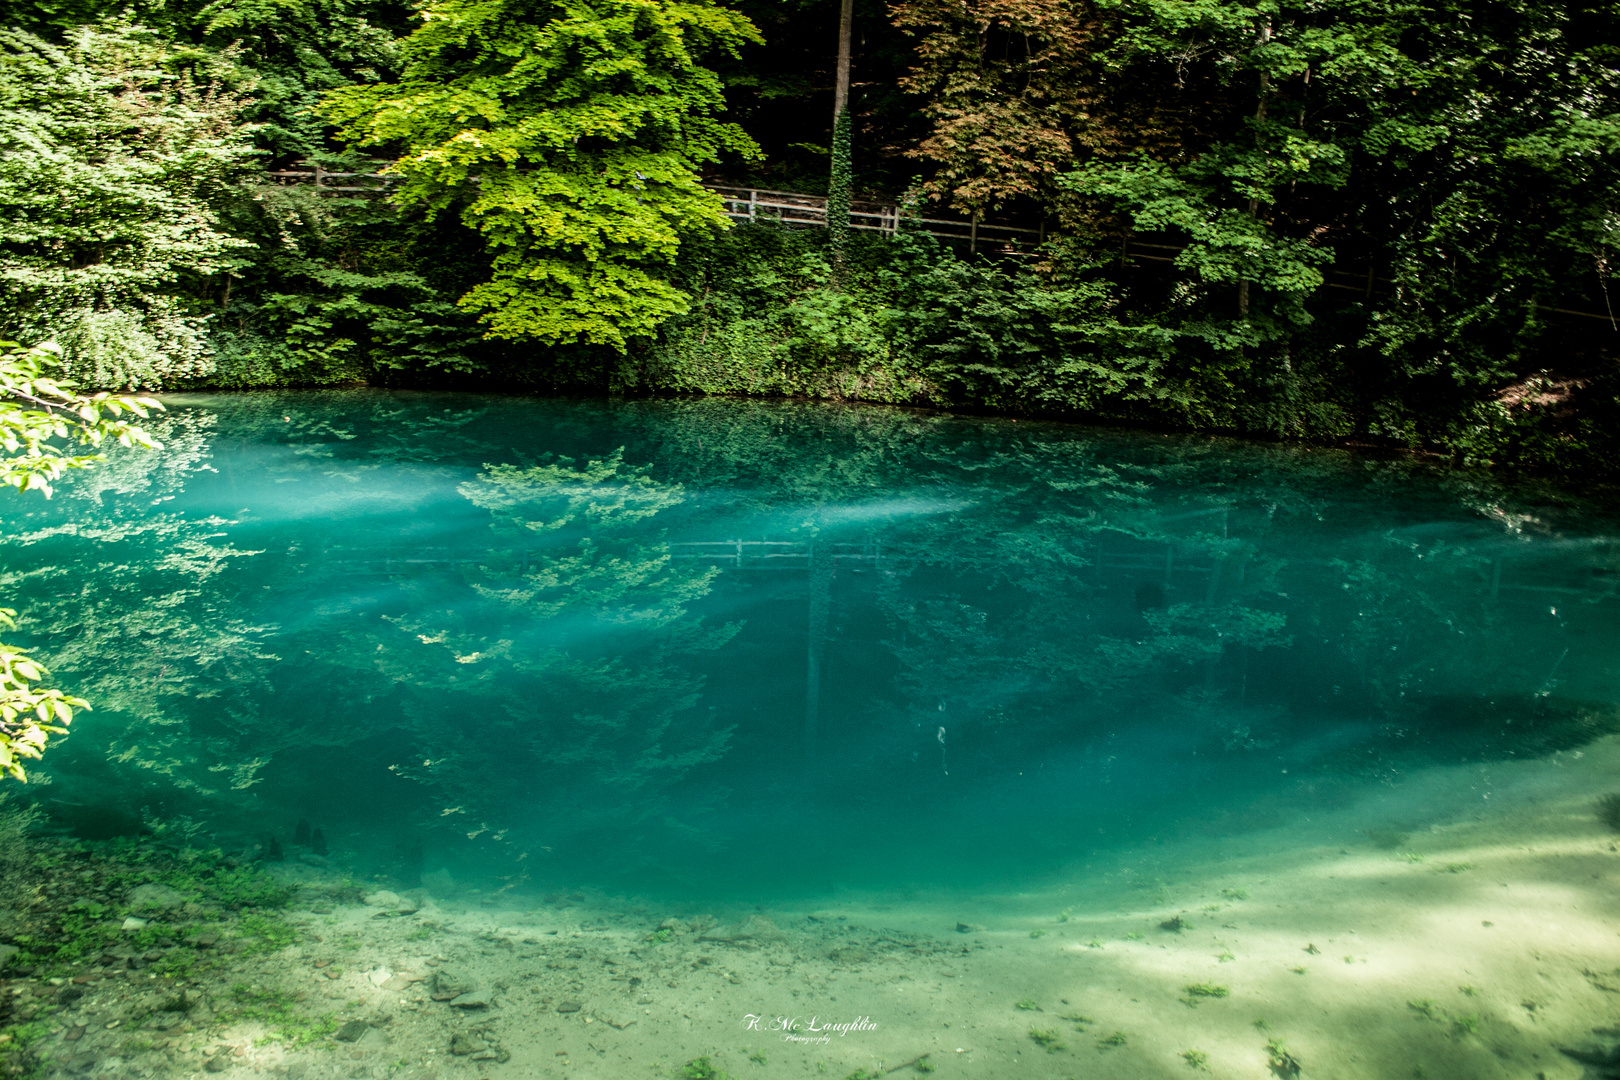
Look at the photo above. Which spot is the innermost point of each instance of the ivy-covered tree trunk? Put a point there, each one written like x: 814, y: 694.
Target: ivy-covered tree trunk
x: 843, y: 172
x: 838, y: 194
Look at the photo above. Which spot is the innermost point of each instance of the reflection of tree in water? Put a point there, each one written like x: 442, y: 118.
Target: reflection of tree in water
x: 558, y: 701
x: 1238, y: 607
x: 124, y: 602
x: 1049, y: 587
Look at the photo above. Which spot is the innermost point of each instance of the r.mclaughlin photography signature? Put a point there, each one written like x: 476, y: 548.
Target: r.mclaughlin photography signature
x: 806, y: 1030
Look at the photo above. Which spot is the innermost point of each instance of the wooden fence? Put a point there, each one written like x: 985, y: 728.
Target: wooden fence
x: 742, y: 204
x: 872, y: 215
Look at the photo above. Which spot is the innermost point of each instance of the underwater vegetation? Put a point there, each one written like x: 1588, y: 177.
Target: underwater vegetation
x: 18, y: 1049
x: 1200, y: 992
x: 1280, y: 1060
x: 1608, y: 810
x: 282, y: 1013
x: 1458, y: 1025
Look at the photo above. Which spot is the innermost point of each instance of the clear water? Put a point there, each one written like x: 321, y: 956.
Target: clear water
x: 1029, y: 687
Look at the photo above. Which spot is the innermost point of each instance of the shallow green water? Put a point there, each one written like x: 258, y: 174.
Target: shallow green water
x: 772, y: 653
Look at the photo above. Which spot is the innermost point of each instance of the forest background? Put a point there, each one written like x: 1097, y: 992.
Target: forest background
x: 1375, y: 221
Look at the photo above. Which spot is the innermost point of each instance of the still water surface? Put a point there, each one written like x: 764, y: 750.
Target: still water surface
x: 790, y: 657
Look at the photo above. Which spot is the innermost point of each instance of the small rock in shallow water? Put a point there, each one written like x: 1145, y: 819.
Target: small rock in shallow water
x: 383, y: 899
x: 132, y: 923
x: 476, y: 999
x: 461, y: 1046
x: 447, y: 985
x: 568, y: 1007
x: 351, y: 1031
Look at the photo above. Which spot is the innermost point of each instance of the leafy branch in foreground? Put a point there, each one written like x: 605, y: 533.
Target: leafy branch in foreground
x: 37, y: 414
x: 35, y: 410
x: 29, y: 715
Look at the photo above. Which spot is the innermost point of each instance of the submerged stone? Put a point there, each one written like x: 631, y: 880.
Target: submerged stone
x: 351, y: 1031
x: 448, y: 985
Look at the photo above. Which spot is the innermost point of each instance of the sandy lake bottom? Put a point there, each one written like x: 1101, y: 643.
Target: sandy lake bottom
x: 1482, y: 943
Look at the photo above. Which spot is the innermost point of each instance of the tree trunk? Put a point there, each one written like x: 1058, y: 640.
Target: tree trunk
x: 846, y: 19
x: 1264, y: 37
x: 842, y: 179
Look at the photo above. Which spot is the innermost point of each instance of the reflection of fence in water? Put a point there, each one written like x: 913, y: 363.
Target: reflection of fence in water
x: 779, y: 554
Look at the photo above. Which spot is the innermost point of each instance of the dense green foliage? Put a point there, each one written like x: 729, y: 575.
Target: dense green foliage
x: 111, y: 169
x: 1323, y: 220
x: 569, y: 136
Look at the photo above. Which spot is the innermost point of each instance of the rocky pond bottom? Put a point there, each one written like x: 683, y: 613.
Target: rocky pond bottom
x: 1484, y: 944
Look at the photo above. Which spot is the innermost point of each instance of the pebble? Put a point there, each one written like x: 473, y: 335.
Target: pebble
x: 351, y: 1031
x: 568, y: 1007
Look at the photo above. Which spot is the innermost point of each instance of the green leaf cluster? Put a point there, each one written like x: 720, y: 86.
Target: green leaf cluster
x: 568, y: 135
x: 113, y: 159
x: 40, y: 419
